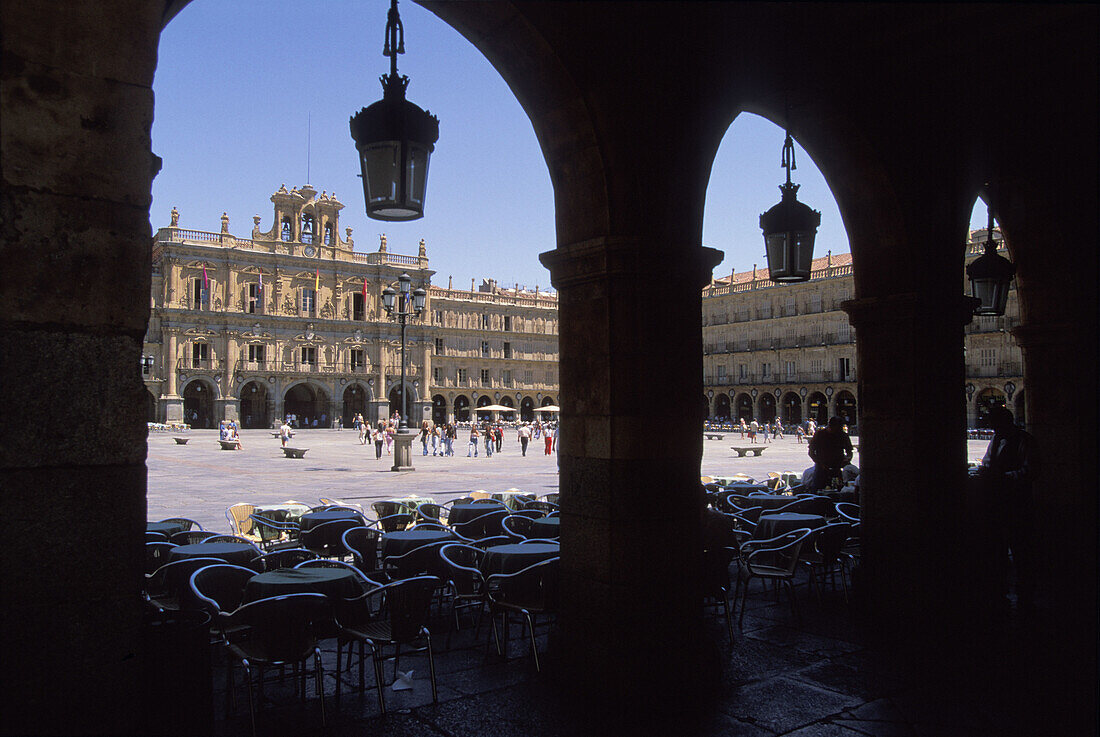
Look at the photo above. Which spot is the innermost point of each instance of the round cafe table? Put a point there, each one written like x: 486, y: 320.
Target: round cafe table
x: 311, y: 520
x: 514, y: 556
x: 239, y: 554
x: 461, y: 513
x: 167, y: 528
x: 401, y: 542
x: 336, y: 583
x: 546, y: 527
x: 778, y: 523
x: 767, y: 501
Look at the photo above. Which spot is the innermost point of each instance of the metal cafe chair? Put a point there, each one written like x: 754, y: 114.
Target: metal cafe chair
x: 527, y: 593
x: 774, y: 559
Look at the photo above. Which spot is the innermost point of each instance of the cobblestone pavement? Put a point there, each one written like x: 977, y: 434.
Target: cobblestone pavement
x: 811, y: 677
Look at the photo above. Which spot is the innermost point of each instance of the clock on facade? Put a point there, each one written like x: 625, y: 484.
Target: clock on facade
x: 310, y: 250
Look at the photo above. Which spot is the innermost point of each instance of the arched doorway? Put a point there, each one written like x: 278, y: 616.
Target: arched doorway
x: 767, y: 407
x: 507, y: 401
x: 308, y: 404
x: 818, y: 408
x: 150, y: 406
x: 462, y: 408
x: 846, y: 408
x: 395, y: 402
x: 988, y: 398
x: 439, y: 409
x: 706, y: 407
x: 791, y: 409
x: 547, y: 401
x: 527, y: 409
x: 483, y: 401
x: 254, y: 405
x: 355, y: 402
x: 722, y: 406
x: 198, y: 404
x: 744, y: 407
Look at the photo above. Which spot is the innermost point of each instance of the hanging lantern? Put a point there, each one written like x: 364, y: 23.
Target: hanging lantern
x: 395, y: 139
x: 990, y: 277
x: 789, y: 229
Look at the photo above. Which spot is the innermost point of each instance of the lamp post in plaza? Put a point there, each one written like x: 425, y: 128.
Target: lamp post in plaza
x: 410, y: 304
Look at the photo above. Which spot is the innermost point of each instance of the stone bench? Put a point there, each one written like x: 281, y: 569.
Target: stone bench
x: 181, y: 441
x: 713, y: 435
x: 295, y: 452
x: 228, y: 444
x: 756, y: 450
x: 276, y: 434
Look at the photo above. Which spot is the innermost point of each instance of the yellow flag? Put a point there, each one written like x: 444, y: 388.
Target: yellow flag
x: 317, y: 281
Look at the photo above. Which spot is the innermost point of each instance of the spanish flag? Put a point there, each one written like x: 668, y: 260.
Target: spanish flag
x: 364, y: 288
x: 317, y: 281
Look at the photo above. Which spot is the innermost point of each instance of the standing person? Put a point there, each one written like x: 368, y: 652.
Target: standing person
x: 436, y: 437
x: 284, y: 432
x: 798, y: 433
x: 472, y: 447
x: 490, y: 441
x: 1010, y: 467
x: 389, y: 437
x: 524, y: 435
x: 498, y: 434
x: 549, y: 437
x: 743, y: 428
x: 379, y: 439
x: 766, y: 428
x: 831, y: 450
x: 753, y: 426
x: 777, y: 431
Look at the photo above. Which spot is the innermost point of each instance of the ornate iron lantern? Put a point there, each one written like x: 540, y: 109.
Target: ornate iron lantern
x: 789, y: 229
x: 990, y: 276
x: 395, y: 139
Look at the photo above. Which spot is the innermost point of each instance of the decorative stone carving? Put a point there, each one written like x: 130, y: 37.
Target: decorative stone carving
x: 288, y: 305
x: 225, y: 222
x: 175, y: 217
x: 327, y: 311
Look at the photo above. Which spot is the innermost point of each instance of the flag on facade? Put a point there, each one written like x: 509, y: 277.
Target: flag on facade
x: 261, y: 287
x: 317, y: 281
x: 205, y: 278
x: 364, y: 289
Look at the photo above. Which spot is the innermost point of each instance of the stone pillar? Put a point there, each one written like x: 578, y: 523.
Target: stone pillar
x: 913, y: 462
x: 631, y: 512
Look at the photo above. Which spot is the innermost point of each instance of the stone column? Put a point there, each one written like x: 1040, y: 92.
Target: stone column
x: 173, y: 402
x: 631, y: 509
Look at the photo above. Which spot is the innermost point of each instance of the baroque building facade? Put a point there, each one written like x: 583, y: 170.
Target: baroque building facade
x: 290, y: 321
x: 789, y: 351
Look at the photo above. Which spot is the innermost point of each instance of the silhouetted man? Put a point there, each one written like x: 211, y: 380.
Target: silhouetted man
x: 831, y: 450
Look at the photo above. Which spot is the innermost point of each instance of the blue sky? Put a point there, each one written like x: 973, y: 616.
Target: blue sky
x: 241, y: 87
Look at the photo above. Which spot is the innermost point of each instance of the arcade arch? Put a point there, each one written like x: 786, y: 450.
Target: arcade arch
x: 744, y: 407
x: 198, y: 403
x: 255, y: 409
x: 355, y: 399
x: 767, y: 407
x: 309, y: 404
x: 527, y: 410
x: 462, y: 408
x: 846, y: 408
x: 439, y: 409
x: 984, y: 403
x: 817, y: 408
x: 722, y: 406
x: 790, y: 410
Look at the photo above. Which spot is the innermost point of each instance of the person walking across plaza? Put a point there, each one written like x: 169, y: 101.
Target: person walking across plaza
x: 830, y: 450
x: 472, y: 447
x: 490, y: 441
x: 379, y: 435
x: 524, y: 435
x: 498, y: 435
x: 284, y: 432
x: 549, y: 438
x: 1010, y: 468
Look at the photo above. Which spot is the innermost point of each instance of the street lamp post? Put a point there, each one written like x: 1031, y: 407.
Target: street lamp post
x: 402, y: 447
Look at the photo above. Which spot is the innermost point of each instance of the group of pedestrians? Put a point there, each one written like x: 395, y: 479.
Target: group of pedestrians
x: 767, y: 431
x: 439, y: 439
x: 228, y: 430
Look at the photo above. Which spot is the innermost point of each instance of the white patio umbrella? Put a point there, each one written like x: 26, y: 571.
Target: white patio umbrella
x: 548, y: 408
x: 496, y: 408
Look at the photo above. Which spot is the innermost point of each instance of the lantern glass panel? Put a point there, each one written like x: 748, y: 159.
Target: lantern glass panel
x: 380, y: 172
x: 417, y: 175
x: 993, y: 295
x: 777, y: 254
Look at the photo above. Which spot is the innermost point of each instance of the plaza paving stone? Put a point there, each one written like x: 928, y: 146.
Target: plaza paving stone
x: 779, y: 676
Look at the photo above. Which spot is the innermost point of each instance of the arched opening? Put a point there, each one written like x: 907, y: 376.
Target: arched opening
x: 767, y: 407
x: 846, y: 408
x: 254, y: 405
x: 507, y: 401
x: 395, y: 403
x: 150, y: 406
x: 309, y: 404
x: 986, y: 400
x: 527, y: 409
x: 791, y: 409
x: 462, y: 408
x: 722, y: 406
x: 439, y: 409
x: 198, y: 404
x: 744, y: 407
x: 706, y: 407
x: 355, y: 402
x: 817, y: 408
x: 547, y: 402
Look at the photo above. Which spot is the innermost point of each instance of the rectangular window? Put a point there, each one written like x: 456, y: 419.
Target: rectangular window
x: 815, y: 302
x: 146, y: 365
x: 439, y: 346
x: 528, y: 376
x: 550, y: 378
x: 309, y: 355
x: 844, y: 333
x: 439, y: 317
x: 484, y: 322
x: 463, y: 376
x: 506, y: 377
x: 791, y: 310
x: 358, y: 307
x: 815, y: 365
x: 765, y: 370
x: 485, y: 379
x: 198, y: 295
x: 357, y: 359
x: 256, y: 356
x: 507, y: 350
x: 309, y: 300
x: 200, y: 355
x: 508, y: 323
x: 765, y: 310
x: 253, y: 298
x: 790, y: 369
x: 742, y: 371
x: 484, y: 349
x: 988, y: 356
x: 437, y: 374
x: 844, y: 368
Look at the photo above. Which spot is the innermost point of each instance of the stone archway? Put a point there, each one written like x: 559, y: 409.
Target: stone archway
x: 767, y: 407
x: 310, y: 404
x: 722, y: 406
x: 790, y: 409
x: 984, y: 403
x: 255, y: 408
x: 527, y: 410
x: 198, y: 404
x: 355, y: 400
x: 744, y: 408
x: 846, y: 408
x: 817, y: 408
x: 439, y: 409
x: 462, y: 408
x: 507, y: 401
